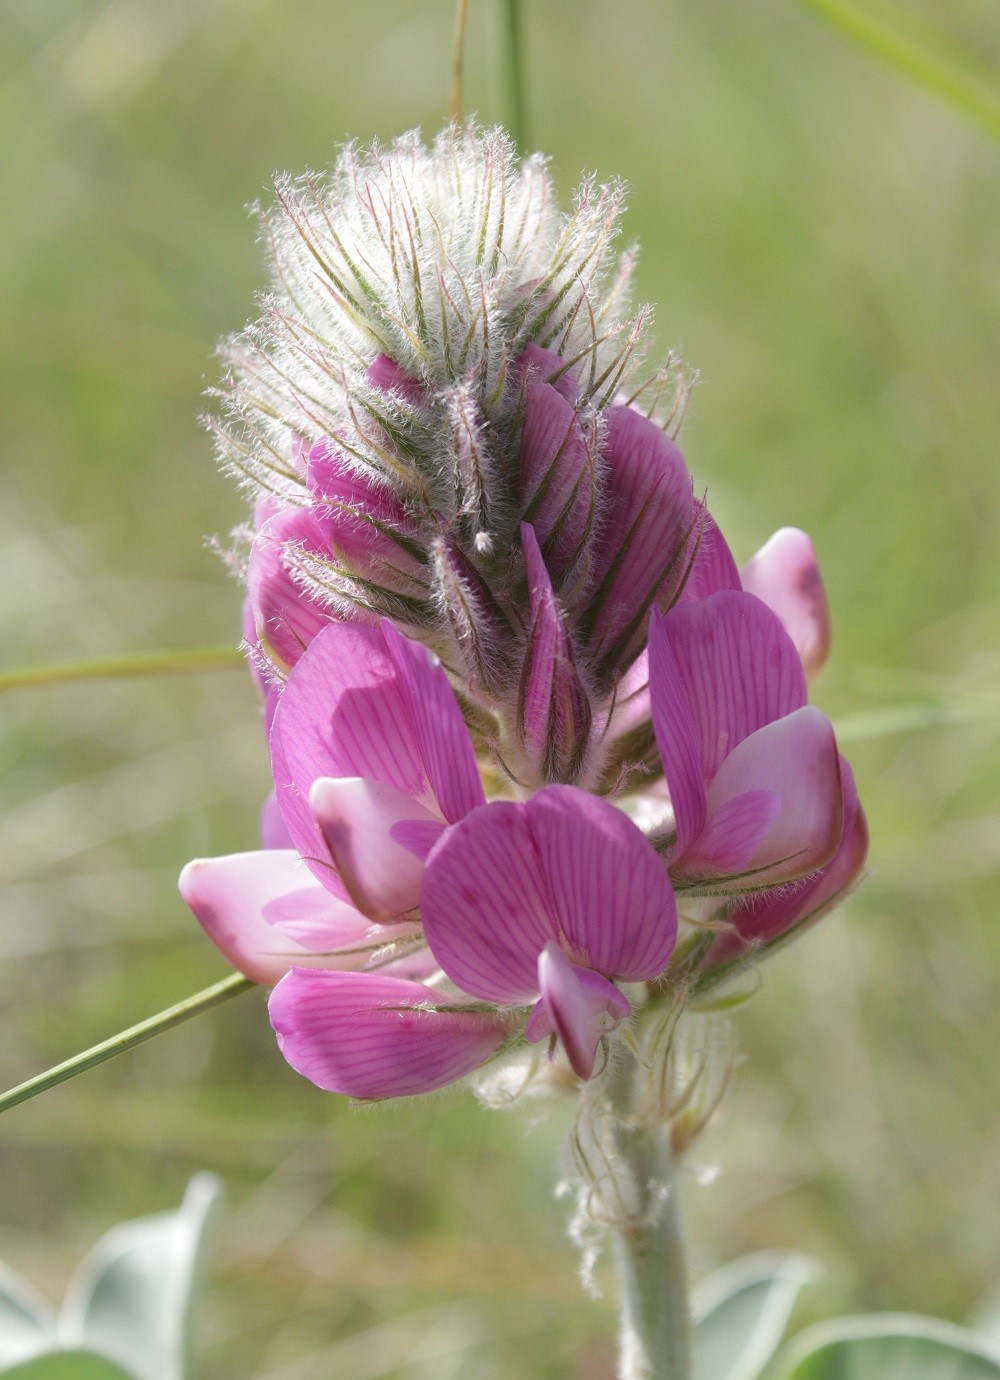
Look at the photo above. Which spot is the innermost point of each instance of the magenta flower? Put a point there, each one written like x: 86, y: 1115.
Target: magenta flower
x: 541, y: 903
x: 752, y: 771
x: 368, y: 730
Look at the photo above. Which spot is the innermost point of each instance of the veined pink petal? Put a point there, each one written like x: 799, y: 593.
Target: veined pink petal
x: 486, y: 906
x: 342, y: 713
x: 558, y: 482
x: 231, y: 896
x: 677, y: 736
x: 713, y: 567
x: 441, y: 735
x: 386, y: 374
x: 356, y: 817
x: 613, y: 902
x: 784, y: 573
x: 738, y: 668
x: 795, y: 759
x: 641, y: 552
x: 554, y: 712
x: 370, y: 1036
x: 284, y: 614
x: 577, y: 1004
x: 766, y: 918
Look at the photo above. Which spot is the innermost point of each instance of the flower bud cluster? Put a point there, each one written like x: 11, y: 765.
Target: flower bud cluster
x: 478, y: 562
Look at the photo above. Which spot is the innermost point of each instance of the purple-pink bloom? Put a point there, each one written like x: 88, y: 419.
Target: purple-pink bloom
x: 366, y: 737
x: 772, y: 917
x: 752, y: 771
x: 546, y: 901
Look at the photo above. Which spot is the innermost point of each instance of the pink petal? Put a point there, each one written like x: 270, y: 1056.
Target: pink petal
x: 386, y: 374
x: 356, y: 817
x: 677, y: 736
x: 577, y: 1004
x: 612, y: 898
x: 732, y: 835
x: 554, y: 712
x: 642, y: 550
x: 545, y: 366
x: 558, y: 477
x: 418, y: 836
x: 369, y: 1036
x: 361, y: 520
x: 738, y: 668
x: 485, y: 904
x: 342, y: 713
x: 764, y: 919
x: 439, y: 730
x: 796, y: 759
x: 284, y: 614
x: 713, y: 567
x: 784, y: 573
x: 231, y: 898
x: 273, y: 833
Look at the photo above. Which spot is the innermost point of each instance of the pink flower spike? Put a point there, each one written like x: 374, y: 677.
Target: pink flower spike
x: 356, y: 817
x: 369, y: 1036
x: 284, y: 614
x: 767, y: 919
x: 563, y: 866
x: 793, y: 760
x: 642, y: 547
x: 576, y: 1004
x: 554, y: 712
x: 234, y: 899
x: 784, y: 573
x: 557, y: 487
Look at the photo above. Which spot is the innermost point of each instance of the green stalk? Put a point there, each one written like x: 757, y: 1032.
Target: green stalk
x: 128, y: 664
x: 944, y: 77
x: 655, y: 1330
x: 231, y: 986
x: 517, y: 121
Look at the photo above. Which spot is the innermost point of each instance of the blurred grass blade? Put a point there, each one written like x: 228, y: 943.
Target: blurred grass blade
x: 514, y: 72
x: 128, y: 664
x: 913, y: 55
x: 910, y: 718
x: 458, y: 61
x: 231, y: 986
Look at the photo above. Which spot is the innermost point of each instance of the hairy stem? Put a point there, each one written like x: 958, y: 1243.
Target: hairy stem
x: 655, y: 1316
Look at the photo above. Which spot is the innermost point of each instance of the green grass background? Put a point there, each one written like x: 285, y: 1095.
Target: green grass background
x: 821, y: 240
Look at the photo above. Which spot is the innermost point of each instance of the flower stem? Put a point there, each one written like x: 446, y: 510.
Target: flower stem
x: 655, y: 1337
x: 514, y: 73
x: 128, y: 1039
x: 128, y: 664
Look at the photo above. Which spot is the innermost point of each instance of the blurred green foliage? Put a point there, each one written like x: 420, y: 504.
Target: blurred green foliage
x: 820, y: 239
